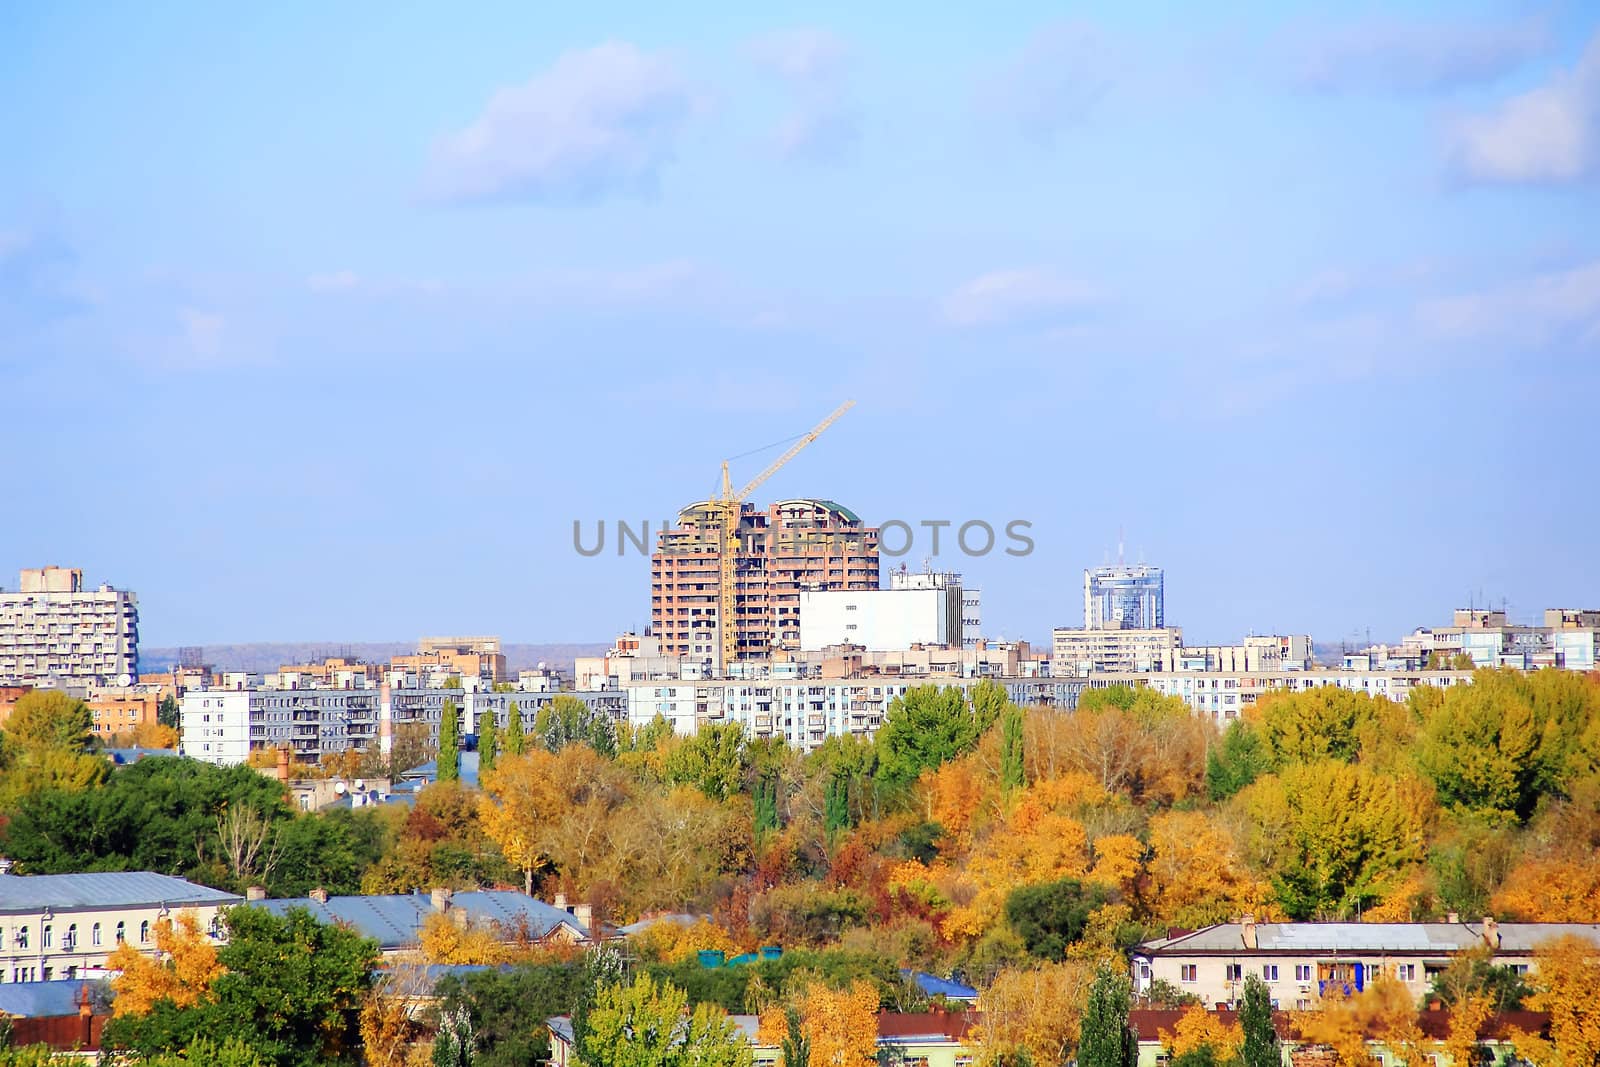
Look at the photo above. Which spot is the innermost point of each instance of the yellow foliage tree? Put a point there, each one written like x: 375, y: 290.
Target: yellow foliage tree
x: 182, y: 971
x: 1385, y: 1012
x: 1557, y: 889
x: 1036, y: 1009
x: 1467, y: 1016
x: 442, y: 940
x: 674, y: 942
x: 840, y: 1024
x: 1198, y: 1028
x: 951, y: 795
x: 1034, y: 844
x: 1564, y: 985
x: 1118, y: 860
x: 1196, y: 874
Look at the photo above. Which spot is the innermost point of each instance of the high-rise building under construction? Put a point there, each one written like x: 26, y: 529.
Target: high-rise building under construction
x: 794, y: 545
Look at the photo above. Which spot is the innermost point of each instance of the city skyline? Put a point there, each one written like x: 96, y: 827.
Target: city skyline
x: 305, y: 345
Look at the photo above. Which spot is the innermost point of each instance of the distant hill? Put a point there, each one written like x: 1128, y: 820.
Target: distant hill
x: 266, y: 656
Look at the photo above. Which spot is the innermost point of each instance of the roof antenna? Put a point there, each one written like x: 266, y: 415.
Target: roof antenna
x: 1119, y: 546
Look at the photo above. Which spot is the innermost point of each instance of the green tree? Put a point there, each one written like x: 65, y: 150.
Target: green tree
x: 926, y: 727
x: 455, y: 1045
x: 516, y: 739
x: 1260, y: 1048
x: 836, y: 807
x: 646, y: 1024
x: 713, y: 760
x: 1315, y: 724
x: 1104, y: 1037
x: 1051, y: 916
x: 486, y: 740
x: 1013, y: 776
x: 1239, y: 759
x: 567, y: 720
x: 449, y: 758
x: 499, y: 1004
x: 291, y: 991
x: 764, y: 807
x: 168, y: 713
x: 795, y: 1049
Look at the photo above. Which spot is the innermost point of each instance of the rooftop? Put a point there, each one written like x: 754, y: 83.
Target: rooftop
x: 394, y: 921
x: 112, y: 889
x: 1415, y: 938
x: 39, y: 1000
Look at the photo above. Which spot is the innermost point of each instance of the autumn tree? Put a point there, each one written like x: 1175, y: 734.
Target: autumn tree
x: 1312, y: 725
x: 1486, y: 747
x: 1335, y: 836
x: 1198, y: 1028
x: 1384, y: 1012
x: 182, y: 972
x: 449, y: 758
x: 444, y: 941
x: 1196, y: 875
x: 567, y: 720
x: 1564, y: 984
x: 1013, y: 770
x: 840, y: 1026
x: 1035, y: 1011
x: 712, y: 760
x: 49, y: 719
x: 1131, y: 741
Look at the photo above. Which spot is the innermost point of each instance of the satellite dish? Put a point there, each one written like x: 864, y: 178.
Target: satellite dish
x: 541, y: 665
x: 360, y: 785
x: 339, y: 788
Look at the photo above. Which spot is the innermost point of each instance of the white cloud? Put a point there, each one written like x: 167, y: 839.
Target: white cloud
x: 1548, y: 134
x: 1029, y: 295
x: 1550, y: 307
x: 600, y: 120
x: 804, y: 54
x: 1054, y: 82
x: 818, y: 134
x: 1390, y: 55
x: 202, y: 333
x: 337, y: 281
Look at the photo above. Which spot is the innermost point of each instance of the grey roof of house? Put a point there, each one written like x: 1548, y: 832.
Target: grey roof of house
x: 38, y: 1000
x: 1410, y: 938
x: 677, y: 919
x: 429, y: 771
x: 108, y: 889
x: 395, y: 921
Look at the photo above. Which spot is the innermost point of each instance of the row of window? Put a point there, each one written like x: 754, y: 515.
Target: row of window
x: 1303, y: 972
x: 69, y: 939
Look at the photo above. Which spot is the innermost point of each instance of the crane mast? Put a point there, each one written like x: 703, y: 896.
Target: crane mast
x: 728, y: 506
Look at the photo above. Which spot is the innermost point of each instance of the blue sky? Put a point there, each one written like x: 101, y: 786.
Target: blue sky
x: 326, y: 324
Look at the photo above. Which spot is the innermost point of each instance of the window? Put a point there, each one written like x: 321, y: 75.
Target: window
x: 70, y: 941
x: 122, y: 931
x: 1406, y: 972
x: 1302, y: 972
x: 94, y: 935
x: 1186, y: 972
x: 1269, y: 971
x: 48, y: 937
x: 22, y: 937
x: 1233, y: 972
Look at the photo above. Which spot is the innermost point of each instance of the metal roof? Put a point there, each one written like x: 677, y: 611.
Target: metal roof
x: 935, y: 986
x: 429, y: 772
x: 677, y: 919
x: 38, y: 1000
x: 395, y: 921
x: 109, y: 889
x: 1409, y: 938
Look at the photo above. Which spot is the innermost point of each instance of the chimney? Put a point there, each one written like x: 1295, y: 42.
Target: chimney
x: 1491, y: 932
x: 585, y: 916
x: 255, y: 892
x: 1452, y: 917
x: 283, y: 765
x: 441, y: 899
x: 319, y: 894
x: 1247, y: 930
x: 561, y: 901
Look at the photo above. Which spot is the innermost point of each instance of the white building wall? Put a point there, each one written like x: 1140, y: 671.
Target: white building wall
x: 880, y: 619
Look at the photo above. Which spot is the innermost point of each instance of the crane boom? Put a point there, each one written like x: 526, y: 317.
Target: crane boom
x: 728, y: 507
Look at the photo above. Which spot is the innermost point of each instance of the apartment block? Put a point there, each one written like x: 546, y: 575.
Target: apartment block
x: 1223, y: 696
x: 794, y: 545
x: 880, y: 619
x: 1081, y: 652
x: 971, y: 597
x: 462, y: 657
x: 122, y: 710
x: 223, y: 726
x: 54, y: 629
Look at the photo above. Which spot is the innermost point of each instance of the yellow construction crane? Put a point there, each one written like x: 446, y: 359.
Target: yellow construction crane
x: 727, y: 507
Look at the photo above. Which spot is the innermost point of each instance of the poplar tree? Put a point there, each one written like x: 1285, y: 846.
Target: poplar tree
x: 486, y: 740
x: 449, y: 760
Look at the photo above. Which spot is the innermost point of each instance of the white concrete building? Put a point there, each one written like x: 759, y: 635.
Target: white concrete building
x: 223, y: 726
x: 53, y: 628
x: 1075, y: 653
x: 1223, y: 695
x: 60, y: 926
x: 881, y: 619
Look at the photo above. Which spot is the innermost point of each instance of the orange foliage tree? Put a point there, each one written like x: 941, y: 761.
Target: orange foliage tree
x: 1198, y: 1028
x: 1564, y: 985
x: 1384, y: 1012
x: 1035, y: 1009
x: 841, y: 1025
x: 182, y: 971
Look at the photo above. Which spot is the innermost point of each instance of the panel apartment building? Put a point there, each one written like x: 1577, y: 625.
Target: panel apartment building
x: 53, y: 628
x: 794, y: 545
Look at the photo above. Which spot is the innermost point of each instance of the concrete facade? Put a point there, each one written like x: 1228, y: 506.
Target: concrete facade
x: 1124, y: 597
x: 880, y: 619
x: 53, y: 629
x: 1081, y: 652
